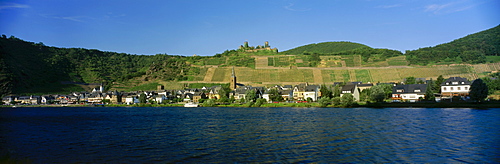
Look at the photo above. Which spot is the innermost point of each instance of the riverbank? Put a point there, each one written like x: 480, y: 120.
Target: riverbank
x: 489, y: 104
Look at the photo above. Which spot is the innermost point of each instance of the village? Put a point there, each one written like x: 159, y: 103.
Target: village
x: 453, y: 87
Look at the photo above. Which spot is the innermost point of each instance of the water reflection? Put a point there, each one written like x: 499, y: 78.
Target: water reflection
x: 228, y: 135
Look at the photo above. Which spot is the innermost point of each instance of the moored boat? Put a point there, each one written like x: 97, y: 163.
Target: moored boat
x: 191, y: 104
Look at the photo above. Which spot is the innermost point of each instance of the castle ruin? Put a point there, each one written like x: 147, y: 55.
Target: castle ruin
x: 265, y: 47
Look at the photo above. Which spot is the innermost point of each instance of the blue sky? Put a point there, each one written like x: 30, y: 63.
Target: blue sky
x: 203, y: 27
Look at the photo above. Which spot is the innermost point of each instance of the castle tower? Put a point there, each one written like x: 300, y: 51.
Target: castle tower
x: 266, y: 44
x: 232, y: 84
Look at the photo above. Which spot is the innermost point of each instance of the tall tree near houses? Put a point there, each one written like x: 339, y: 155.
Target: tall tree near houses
x: 437, y: 84
x: 325, y: 91
x: 250, y: 95
x: 478, y: 90
x: 336, y: 91
x: 377, y: 93
x: 274, y: 95
x: 429, y: 92
x: 142, y: 98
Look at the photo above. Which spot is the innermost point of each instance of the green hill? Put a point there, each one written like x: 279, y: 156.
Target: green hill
x: 27, y: 67
x: 33, y: 68
x: 473, y: 49
x: 325, y: 48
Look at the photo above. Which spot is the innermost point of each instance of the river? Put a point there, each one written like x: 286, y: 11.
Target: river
x: 249, y: 135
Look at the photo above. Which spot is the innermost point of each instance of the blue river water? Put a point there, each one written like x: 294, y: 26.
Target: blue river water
x: 250, y: 135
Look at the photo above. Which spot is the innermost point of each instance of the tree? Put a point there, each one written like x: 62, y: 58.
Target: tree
x: 336, y: 91
x: 151, y: 101
x: 106, y: 101
x: 224, y: 91
x: 347, y: 99
x: 478, y: 90
x: 493, y: 82
x: 142, y: 98
x: 232, y: 99
x: 259, y: 102
x: 387, y: 90
x: 325, y: 91
x: 324, y: 101
x: 429, y: 93
x: 274, y: 95
x: 209, y: 103
x: 377, y: 93
x: 437, y: 85
x: 410, y: 80
x: 250, y: 95
x: 473, y: 56
x: 365, y: 95
x: 336, y: 101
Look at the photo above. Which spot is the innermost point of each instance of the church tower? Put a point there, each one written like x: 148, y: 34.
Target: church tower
x: 232, y: 84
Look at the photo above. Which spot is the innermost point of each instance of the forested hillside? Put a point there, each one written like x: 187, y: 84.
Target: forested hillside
x: 27, y: 67
x: 367, y: 54
x: 473, y: 49
x: 325, y: 48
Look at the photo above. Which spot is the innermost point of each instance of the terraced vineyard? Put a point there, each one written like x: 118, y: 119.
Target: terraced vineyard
x: 294, y: 69
x: 330, y: 75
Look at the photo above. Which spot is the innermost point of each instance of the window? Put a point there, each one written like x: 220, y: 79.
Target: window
x: 417, y: 90
x: 458, y: 88
x: 444, y: 88
x: 466, y: 88
x: 456, y: 82
x: 463, y: 82
x: 451, y: 88
x: 399, y: 90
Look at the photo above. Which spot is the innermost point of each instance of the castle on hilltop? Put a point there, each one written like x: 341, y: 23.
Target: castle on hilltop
x: 265, y: 47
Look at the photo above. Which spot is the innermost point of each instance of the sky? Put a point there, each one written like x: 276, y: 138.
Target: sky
x: 208, y: 27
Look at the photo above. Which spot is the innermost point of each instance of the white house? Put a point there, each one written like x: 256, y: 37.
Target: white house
x: 311, y: 91
x: 409, y: 92
x: 133, y: 99
x: 455, y: 86
x: 352, y: 89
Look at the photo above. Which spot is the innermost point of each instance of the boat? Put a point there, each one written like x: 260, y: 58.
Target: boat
x: 191, y: 104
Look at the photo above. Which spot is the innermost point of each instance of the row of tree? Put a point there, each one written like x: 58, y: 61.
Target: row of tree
x: 30, y: 67
x: 325, y: 48
x: 470, y: 49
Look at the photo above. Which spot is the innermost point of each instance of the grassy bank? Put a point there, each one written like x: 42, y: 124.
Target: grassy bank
x: 489, y: 104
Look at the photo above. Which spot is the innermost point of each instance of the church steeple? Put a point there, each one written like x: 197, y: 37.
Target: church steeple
x: 232, y: 84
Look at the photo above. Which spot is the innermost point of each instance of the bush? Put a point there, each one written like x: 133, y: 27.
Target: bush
x: 324, y: 101
x: 249, y: 104
x: 259, y: 102
x: 209, y: 103
x: 336, y: 101
x: 347, y: 100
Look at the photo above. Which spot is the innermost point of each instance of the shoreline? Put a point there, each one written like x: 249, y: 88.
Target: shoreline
x: 482, y: 105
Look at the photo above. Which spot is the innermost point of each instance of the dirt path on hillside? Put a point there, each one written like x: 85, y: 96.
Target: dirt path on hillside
x: 352, y: 75
x: 210, y: 73
x: 318, y: 78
